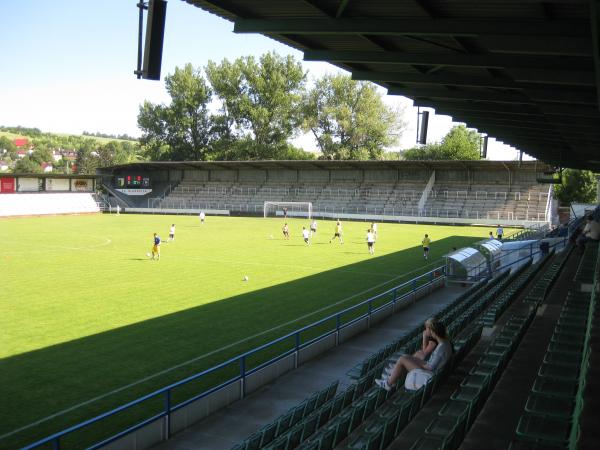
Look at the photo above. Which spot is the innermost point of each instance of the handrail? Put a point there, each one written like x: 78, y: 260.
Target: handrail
x: 429, y: 277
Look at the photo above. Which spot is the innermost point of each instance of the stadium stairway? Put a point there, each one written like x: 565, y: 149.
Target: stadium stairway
x: 240, y: 420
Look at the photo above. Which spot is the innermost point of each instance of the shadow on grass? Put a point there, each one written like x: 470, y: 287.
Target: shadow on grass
x: 134, y: 360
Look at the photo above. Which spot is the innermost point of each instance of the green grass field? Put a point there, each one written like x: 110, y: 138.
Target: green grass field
x: 88, y: 322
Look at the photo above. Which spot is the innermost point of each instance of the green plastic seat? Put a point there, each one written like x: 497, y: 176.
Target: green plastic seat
x: 557, y: 372
x: 466, y: 394
x: 523, y: 444
x: 554, y: 387
x: 546, y: 429
x: 476, y: 380
x: 325, y: 439
x: 443, y: 426
x: 371, y: 441
x: 561, y: 408
x: 565, y: 347
x: 429, y: 442
x: 563, y: 359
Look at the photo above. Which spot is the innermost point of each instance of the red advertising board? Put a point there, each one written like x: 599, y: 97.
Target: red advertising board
x: 7, y: 185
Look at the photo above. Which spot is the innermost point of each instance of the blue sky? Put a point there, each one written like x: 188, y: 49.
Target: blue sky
x: 67, y: 65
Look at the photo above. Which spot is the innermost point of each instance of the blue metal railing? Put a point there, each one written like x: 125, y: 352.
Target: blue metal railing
x: 398, y: 294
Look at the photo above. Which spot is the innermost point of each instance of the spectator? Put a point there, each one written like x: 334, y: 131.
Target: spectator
x: 407, y: 363
x: 591, y: 232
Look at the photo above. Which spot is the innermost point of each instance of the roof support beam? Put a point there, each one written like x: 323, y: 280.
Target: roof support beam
x: 492, y: 97
x: 413, y: 26
x: 527, y: 96
x: 595, y: 25
x: 541, y: 110
x: 487, y: 60
x: 456, y: 80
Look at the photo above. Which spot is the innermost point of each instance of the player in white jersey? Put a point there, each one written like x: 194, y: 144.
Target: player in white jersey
x: 172, y: 233
x: 313, y: 227
x: 371, y: 241
x: 305, y: 235
x: 374, y: 230
x: 499, y: 232
x: 202, y: 216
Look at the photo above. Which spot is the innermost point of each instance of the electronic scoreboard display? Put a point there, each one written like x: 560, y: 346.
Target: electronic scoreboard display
x: 131, y: 181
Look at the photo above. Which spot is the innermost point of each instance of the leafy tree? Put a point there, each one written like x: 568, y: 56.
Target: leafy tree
x: 182, y: 129
x: 459, y: 144
x: 349, y: 119
x: 87, y: 157
x: 578, y: 186
x: 260, y: 105
x: 27, y: 165
x: 42, y: 154
x: 7, y: 147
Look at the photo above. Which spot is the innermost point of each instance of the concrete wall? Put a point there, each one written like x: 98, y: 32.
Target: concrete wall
x: 175, y: 175
x: 381, y: 176
x: 451, y: 176
x: 282, y: 175
x: 523, y: 176
x: 223, y: 175
x: 347, y: 175
x: 252, y: 175
x: 313, y: 175
x: 490, y: 177
x: 195, y: 175
x: 414, y: 175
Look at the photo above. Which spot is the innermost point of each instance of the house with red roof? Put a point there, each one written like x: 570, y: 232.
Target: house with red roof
x: 21, y: 142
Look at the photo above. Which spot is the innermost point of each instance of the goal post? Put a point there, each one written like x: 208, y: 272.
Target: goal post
x: 291, y: 209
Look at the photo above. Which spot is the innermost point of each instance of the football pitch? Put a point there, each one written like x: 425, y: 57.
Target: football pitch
x: 89, y: 322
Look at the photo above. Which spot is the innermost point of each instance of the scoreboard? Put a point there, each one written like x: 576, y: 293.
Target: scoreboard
x: 133, y: 181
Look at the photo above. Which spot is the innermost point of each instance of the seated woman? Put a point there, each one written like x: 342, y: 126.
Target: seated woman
x: 439, y: 357
x: 429, y: 343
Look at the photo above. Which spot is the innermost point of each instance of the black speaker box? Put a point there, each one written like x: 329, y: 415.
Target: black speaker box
x: 155, y: 33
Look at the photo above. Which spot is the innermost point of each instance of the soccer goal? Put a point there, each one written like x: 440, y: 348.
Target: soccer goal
x: 291, y: 209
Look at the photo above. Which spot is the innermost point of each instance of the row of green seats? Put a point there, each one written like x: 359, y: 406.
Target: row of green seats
x: 539, y: 292
x: 495, y: 310
x: 286, y: 421
x: 586, y: 269
x: 556, y: 399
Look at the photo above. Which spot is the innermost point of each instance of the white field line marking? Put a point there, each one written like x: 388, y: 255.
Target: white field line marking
x: 185, y: 363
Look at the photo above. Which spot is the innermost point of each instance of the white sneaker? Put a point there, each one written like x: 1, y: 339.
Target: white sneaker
x: 382, y: 383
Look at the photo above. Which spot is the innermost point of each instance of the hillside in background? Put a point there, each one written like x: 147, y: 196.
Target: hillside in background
x: 30, y: 150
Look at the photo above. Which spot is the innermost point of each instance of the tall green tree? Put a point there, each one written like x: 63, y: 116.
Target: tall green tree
x: 7, y: 148
x: 260, y: 104
x: 578, y: 186
x: 459, y: 144
x: 349, y: 119
x: 182, y: 129
x: 27, y: 165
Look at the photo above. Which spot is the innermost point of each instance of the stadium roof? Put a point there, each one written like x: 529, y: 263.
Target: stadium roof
x: 325, y: 165
x: 526, y: 72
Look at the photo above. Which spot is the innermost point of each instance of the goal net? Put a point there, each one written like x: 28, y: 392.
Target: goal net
x: 291, y: 209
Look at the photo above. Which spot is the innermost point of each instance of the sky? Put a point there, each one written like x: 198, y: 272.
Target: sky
x: 67, y: 66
